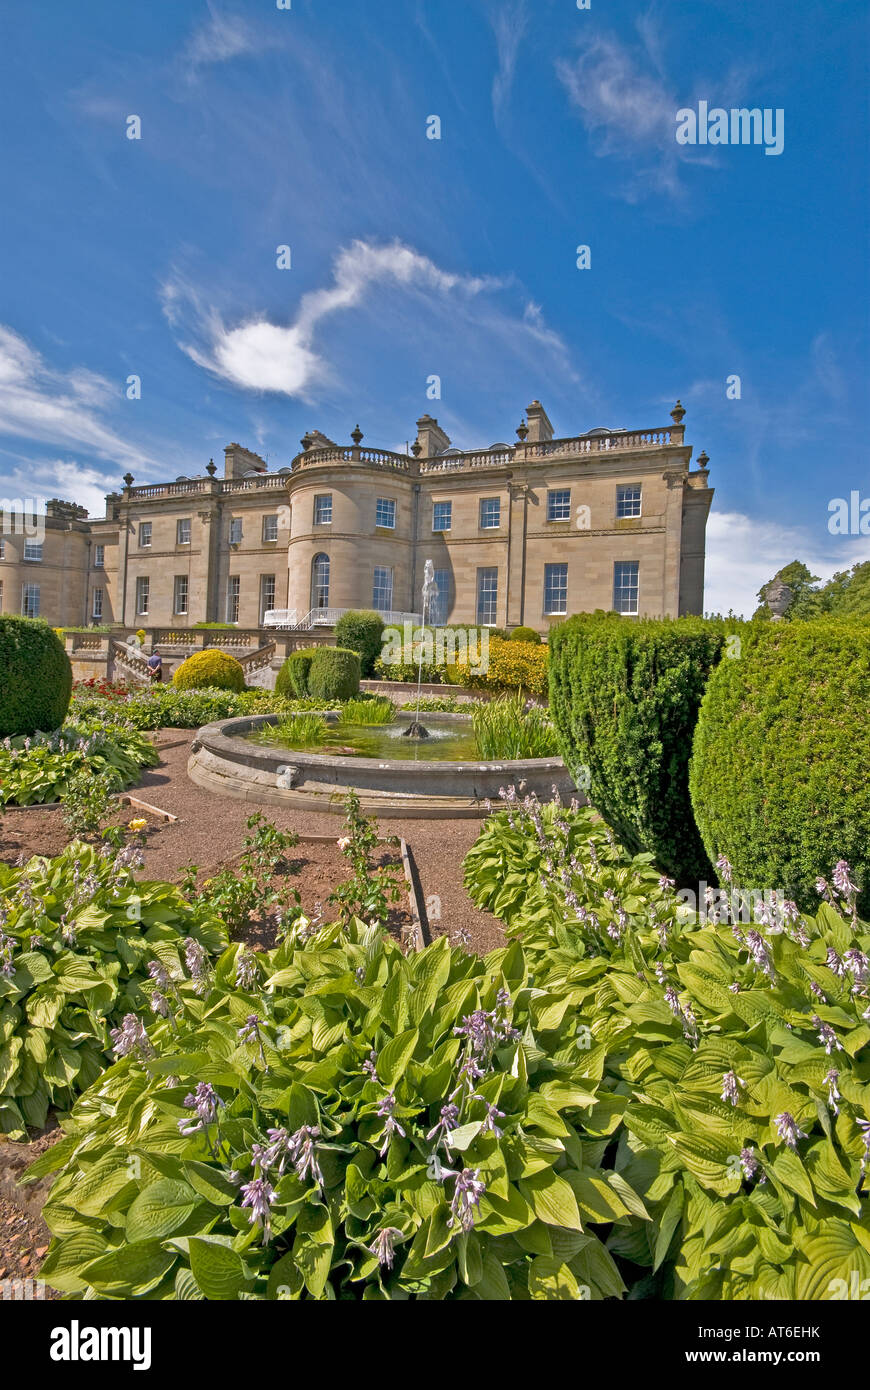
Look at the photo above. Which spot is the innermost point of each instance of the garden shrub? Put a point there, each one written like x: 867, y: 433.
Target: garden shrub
x: 779, y: 778
x: 334, y: 674
x: 361, y: 632
x: 77, y: 936
x: 292, y: 679
x: 728, y: 1047
x: 35, y: 677
x: 334, y: 1120
x: 526, y: 634
x: 210, y: 669
x: 519, y: 666
x: 624, y: 694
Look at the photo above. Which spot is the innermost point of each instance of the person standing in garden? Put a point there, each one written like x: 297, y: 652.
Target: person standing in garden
x: 155, y: 666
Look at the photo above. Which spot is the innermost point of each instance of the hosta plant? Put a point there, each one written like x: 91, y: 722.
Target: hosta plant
x: 41, y: 769
x: 736, y: 1052
x: 78, y: 936
x: 334, y: 1120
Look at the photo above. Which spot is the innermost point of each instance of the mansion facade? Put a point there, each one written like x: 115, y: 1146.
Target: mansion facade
x: 518, y: 534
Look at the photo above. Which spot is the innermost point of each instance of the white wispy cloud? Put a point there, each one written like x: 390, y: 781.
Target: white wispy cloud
x: 744, y: 552
x: 40, y: 403
x: 259, y: 355
x: 510, y: 23
x: 628, y: 108
x: 220, y: 38
x: 40, y: 479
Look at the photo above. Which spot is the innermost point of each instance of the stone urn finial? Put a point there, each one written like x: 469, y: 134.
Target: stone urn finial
x: 416, y: 448
x: 678, y: 414
x: 211, y: 468
x: 703, y: 459
x: 128, y: 479
x: 305, y: 441
x: 357, y: 436
x: 777, y: 597
x: 522, y: 431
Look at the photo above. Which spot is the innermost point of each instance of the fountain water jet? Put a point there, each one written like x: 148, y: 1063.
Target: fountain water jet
x: 430, y: 590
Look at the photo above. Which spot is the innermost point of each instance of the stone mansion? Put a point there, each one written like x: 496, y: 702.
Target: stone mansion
x: 521, y: 533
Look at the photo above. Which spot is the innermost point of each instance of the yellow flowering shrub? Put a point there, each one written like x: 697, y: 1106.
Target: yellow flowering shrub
x: 512, y: 666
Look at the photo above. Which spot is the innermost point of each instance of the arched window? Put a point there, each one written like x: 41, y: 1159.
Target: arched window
x: 320, y: 581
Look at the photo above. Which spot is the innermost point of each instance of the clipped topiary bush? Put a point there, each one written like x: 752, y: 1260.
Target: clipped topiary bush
x: 209, y: 670
x: 334, y: 674
x: 778, y: 777
x: 292, y: 679
x: 35, y: 677
x: 624, y: 695
x: 361, y: 632
x: 526, y: 634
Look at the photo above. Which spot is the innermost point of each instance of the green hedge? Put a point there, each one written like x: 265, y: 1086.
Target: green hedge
x: 35, y: 677
x: 779, y: 778
x: 334, y: 674
x: 361, y: 632
x: 526, y: 634
x: 292, y: 679
x: 624, y: 695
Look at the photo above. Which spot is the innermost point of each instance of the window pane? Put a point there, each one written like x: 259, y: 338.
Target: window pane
x: 270, y: 528
x: 628, y: 500
x: 267, y: 594
x: 33, y: 550
x: 323, y: 509
x: 181, y: 593
x: 385, y: 513
x: 555, y: 588
x: 97, y: 610
x: 439, y: 606
x: 145, y: 533
x: 490, y: 513
x: 183, y: 533
x: 559, y: 505
x: 142, y: 595
x: 382, y: 590
x: 236, y: 530
x: 320, y: 582
x: 487, y: 597
x: 625, y: 585
x: 99, y: 556
x: 442, y: 516
x: 30, y: 600
x: 234, y: 587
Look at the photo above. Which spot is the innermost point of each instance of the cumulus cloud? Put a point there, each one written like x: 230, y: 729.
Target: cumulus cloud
x: 744, y: 552
x: 39, y: 479
x: 258, y: 355
x: 37, y: 402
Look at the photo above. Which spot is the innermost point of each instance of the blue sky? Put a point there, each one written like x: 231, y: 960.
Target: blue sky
x: 455, y: 257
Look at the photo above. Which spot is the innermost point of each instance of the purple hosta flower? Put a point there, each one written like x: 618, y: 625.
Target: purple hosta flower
x: 788, y: 1130
x: 842, y: 882
x: 160, y: 1004
x: 690, y: 1025
x: 801, y: 935
x: 206, y: 1102
x: 447, y: 1123
x: 489, y: 1124
x: 391, y: 1124
x: 859, y: 965
x: 790, y: 911
x: 818, y: 992
x: 826, y: 1034
x: 461, y: 937
x: 735, y: 988
x: 823, y: 888
x: 384, y: 1246
x: 302, y: 1147
x: 259, y: 1194
x: 369, y: 1066
x: 833, y: 962
x: 276, y: 1153
x: 731, y: 1084
x: 68, y: 933
x: 662, y: 932
x: 726, y: 873
x: 592, y: 922
x: 737, y: 933
x: 660, y: 972
x: 831, y: 1080
x: 159, y: 974
x: 864, y: 1126
x: 665, y: 883
x: 481, y: 1030
x: 610, y: 895
x: 247, y: 973
x: 613, y: 931
x: 131, y: 1037
x: 196, y: 960
x: 468, y: 1074
x: 673, y: 1001
x: 759, y: 952
x: 7, y: 950
x: 467, y: 1194
x: 129, y: 857
x: 250, y: 1032
x: 749, y: 1164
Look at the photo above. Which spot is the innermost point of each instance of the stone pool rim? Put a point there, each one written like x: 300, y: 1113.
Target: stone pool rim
x: 222, y: 760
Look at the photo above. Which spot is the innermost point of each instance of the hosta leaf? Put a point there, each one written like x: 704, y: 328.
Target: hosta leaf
x: 160, y: 1210
x: 219, y: 1271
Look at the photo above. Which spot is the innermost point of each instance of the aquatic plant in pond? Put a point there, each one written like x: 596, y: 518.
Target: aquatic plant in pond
x: 509, y: 728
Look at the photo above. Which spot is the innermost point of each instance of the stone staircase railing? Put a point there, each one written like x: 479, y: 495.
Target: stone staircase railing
x: 125, y: 661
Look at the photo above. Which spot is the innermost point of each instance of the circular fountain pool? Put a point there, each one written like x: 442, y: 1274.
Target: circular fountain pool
x: 441, y: 775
